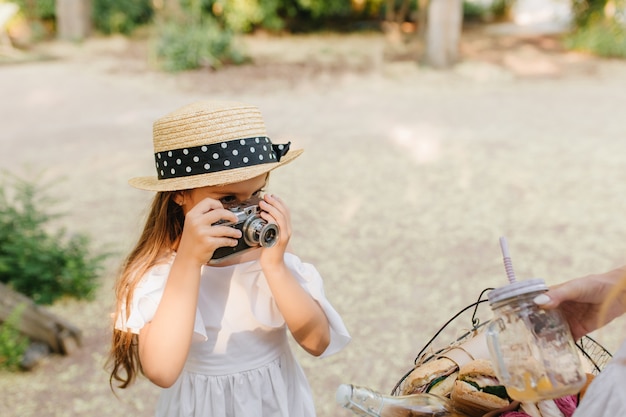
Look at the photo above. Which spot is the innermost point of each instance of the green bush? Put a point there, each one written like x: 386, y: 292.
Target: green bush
x: 244, y: 15
x: 120, y: 16
x: 477, y: 11
x: 108, y: 16
x: 42, y: 264
x: 37, y: 9
x: 327, y: 8
x: 604, y: 38
x: 197, y: 45
x: 12, y: 343
x: 585, y: 11
x: 40, y: 18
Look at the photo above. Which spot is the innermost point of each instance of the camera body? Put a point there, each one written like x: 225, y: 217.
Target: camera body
x: 255, y: 230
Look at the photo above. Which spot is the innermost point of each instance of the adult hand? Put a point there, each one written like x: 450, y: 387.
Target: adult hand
x: 582, y: 300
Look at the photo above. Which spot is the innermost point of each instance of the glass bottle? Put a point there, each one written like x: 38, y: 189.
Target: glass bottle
x: 365, y: 402
x: 532, y: 349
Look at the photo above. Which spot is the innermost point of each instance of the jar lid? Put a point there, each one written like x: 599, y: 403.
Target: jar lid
x: 516, y: 289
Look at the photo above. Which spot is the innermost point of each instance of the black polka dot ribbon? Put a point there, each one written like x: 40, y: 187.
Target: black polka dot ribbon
x: 217, y: 157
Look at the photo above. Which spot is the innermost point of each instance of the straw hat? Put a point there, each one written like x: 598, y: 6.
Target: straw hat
x: 212, y: 143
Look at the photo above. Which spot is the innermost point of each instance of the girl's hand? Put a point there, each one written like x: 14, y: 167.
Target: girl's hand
x: 274, y: 210
x: 201, y: 237
x: 304, y: 317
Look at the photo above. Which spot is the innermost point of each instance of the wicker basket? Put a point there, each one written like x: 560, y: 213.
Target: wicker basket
x: 465, y: 324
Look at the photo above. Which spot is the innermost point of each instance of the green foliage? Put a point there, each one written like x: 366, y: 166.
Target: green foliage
x: 183, y: 46
x: 12, y: 343
x: 586, y: 11
x: 40, y: 18
x: 120, y: 16
x: 604, y: 38
x: 109, y: 16
x: 326, y: 8
x: 598, y: 30
x: 476, y: 11
x: 37, y: 9
x: 41, y: 264
x: 242, y: 16
x: 201, y: 33
x: 245, y: 15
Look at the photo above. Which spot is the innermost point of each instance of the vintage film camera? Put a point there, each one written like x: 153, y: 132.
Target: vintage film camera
x: 255, y: 230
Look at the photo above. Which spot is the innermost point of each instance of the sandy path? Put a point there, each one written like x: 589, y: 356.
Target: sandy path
x: 408, y: 179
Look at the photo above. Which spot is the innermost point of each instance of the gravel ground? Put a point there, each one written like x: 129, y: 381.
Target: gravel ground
x: 409, y: 178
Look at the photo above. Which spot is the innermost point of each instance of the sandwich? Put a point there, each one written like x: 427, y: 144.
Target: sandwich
x: 477, y: 389
x: 435, y: 377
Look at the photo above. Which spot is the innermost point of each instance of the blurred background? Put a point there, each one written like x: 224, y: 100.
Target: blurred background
x: 430, y: 129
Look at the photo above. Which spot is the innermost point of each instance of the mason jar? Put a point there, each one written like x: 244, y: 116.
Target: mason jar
x: 532, y: 349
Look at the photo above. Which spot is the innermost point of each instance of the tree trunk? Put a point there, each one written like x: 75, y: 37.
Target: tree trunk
x: 443, y: 32
x: 73, y: 19
x: 39, y: 324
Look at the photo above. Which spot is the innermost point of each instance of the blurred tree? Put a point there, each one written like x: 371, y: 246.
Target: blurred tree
x: 120, y: 16
x: 587, y: 10
x: 443, y: 32
x: 397, y: 18
x: 187, y: 36
x: 600, y: 27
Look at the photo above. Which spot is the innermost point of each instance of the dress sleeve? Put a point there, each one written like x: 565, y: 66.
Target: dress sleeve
x: 310, y: 279
x: 605, y: 395
x: 146, y: 299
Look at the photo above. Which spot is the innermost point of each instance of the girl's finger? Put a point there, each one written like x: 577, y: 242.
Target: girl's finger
x: 272, y: 215
x: 222, y: 215
x: 275, y: 206
x: 225, y: 242
x: 225, y: 231
x: 206, y: 205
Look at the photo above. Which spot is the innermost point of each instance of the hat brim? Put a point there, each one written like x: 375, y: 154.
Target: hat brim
x: 212, y: 179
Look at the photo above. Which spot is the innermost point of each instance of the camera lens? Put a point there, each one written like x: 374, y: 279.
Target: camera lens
x: 268, y: 235
x: 257, y: 231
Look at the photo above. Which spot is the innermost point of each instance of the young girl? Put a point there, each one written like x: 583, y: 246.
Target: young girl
x: 214, y: 335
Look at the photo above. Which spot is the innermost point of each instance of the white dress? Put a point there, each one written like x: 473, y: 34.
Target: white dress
x: 605, y: 396
x: 240, y: 363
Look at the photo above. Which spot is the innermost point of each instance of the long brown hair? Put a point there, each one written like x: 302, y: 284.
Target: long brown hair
x: 161, y: 233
